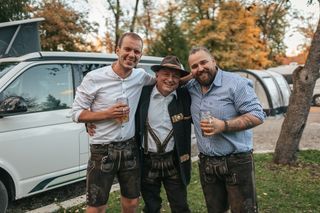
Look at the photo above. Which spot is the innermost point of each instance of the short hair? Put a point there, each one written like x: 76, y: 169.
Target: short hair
x: 129, y: 34
x: 200, y: 48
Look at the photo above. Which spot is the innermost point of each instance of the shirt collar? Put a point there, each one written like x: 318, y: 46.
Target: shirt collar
x: 155, y: 93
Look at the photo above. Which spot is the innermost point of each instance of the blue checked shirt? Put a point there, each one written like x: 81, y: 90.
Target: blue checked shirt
x: 229, y: 96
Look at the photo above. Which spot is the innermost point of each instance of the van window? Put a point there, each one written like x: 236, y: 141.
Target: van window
x: 43, y: 87
x: 5, y: 67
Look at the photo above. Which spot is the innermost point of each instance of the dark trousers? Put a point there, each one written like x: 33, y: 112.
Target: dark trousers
x: 228, y: 182
x: 160, y: 170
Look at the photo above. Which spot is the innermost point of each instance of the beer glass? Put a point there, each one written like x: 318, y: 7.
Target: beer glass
x: 125, y: 117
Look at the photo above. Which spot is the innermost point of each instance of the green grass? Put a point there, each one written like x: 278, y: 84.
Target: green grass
x: 280, y: 189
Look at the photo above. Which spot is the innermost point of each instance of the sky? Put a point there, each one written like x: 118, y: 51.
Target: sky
x: 293, y: 39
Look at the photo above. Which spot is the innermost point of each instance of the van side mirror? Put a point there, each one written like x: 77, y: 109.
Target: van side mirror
x: 12, y: 105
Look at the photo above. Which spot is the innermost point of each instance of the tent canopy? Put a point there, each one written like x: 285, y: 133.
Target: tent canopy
x: 19, y: 37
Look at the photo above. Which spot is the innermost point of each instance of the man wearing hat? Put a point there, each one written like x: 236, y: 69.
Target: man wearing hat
x: 163, y: 131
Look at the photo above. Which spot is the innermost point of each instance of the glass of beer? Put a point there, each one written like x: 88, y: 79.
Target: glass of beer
x: 125, y: 117
x: 205, y: 116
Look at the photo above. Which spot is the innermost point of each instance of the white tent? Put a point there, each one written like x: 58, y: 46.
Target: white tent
x: 271, y: 88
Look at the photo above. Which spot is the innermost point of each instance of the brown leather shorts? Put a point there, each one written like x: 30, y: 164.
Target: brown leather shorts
x: 118, y: 159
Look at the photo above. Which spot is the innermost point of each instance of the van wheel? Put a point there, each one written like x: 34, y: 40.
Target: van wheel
x: 316, y: 100
x: 3, y: 198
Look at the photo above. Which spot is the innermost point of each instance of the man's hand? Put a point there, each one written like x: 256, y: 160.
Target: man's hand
x: 91, y: 128
x: 185, y: 79
x: 212, y: 126
x: 116, y: 111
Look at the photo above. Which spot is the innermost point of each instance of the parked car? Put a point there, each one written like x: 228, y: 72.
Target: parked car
x: 287, y: 70
x: 41, y: 148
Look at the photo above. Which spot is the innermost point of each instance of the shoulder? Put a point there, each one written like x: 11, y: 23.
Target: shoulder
x: 97, y: 73
x: 234, y: 79
x: 183, y: 94
x: 140, y: 72
x: 146, y: 90
x: 182, y: 90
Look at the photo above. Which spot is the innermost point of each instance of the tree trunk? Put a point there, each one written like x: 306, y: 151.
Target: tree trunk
x: 116, y: 10
x: 134, y: 18
x: 304, y: 79
x: 117, y: 19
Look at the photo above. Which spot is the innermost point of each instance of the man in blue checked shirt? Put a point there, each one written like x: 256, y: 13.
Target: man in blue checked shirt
x: 225, y: 138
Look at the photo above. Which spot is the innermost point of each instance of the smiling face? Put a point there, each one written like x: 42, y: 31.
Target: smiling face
x: 167, y: 81
x: 203, y: 67
x: 129, y: 53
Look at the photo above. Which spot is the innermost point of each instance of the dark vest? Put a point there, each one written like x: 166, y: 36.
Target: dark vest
x: 179, y: 111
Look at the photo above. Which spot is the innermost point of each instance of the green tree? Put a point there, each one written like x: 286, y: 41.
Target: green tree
x: 12, y: 10
x: 64, y: 28
x: 170, y: 40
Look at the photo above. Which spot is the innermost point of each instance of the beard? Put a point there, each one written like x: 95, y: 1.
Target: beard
x: 206, y: 77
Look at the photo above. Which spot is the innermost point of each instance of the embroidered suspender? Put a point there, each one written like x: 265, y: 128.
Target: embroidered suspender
x: 160, y: 147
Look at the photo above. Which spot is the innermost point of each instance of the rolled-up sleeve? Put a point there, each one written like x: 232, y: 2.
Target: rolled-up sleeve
x: 246, y: 100
x: 84, y: 98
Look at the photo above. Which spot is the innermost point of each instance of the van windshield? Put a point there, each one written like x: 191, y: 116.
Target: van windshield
x: 5, y: 67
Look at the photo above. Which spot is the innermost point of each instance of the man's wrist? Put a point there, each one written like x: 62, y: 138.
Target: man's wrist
x: 226, y: 126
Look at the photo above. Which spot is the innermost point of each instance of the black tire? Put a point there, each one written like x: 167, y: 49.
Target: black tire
x: 316, y: 100
x: 3, y: 198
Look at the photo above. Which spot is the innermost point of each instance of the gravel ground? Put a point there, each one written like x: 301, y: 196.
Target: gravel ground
x: 265, y: 138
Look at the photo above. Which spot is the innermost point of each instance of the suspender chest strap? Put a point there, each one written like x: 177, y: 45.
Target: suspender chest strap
x: 160, y: 147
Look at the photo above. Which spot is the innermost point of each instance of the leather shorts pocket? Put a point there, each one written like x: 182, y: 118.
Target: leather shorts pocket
x: 130, y: 156
x: 107, y: 163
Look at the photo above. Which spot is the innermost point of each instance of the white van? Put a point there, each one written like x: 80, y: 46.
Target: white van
x: 40, y: 147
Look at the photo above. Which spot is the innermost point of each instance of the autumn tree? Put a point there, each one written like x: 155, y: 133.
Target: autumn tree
x: 272, y: 21
x: 115, y: 8
x: 235, y: 40
x: 304, y: 79
x: 198, y: 18
x: 306, y: 28
x: 171, y: 39
x: 12, y: 10
x: 146, y: 21
x: 64, y: 28
x: 118, y: 13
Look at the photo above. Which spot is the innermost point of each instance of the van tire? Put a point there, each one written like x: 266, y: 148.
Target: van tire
x: 3, y: 198
x: 316, y: 100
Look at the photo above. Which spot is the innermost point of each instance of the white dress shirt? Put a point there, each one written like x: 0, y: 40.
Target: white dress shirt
x: 159, y: 119
x: 99, y: 90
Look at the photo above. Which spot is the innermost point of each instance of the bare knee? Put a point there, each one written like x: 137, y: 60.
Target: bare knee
x: 99, y: 209
x: 129, y: 205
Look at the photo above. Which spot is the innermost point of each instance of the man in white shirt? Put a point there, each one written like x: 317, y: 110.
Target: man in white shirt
x: 113, y: 148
